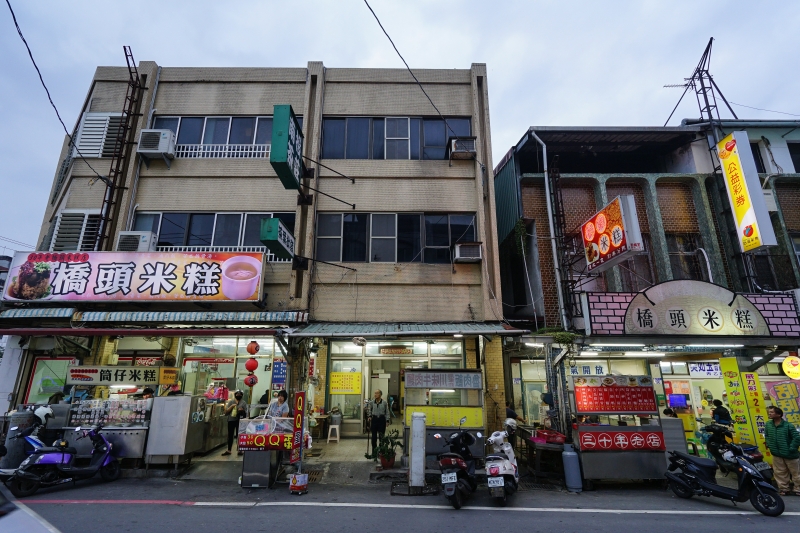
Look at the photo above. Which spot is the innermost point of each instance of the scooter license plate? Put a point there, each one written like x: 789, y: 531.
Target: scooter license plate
x: 762, y: 466
x: 449, y: 478
x: 496, y: 482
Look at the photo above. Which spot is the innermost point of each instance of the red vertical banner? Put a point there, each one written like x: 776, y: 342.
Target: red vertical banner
x: 297, y: 437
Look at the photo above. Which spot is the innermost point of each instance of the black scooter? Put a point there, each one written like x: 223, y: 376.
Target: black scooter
x: 715, y: 437
x: 458, y: 466
x: 696, y: 476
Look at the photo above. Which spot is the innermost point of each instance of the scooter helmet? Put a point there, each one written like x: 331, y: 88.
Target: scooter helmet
x: 238, y: 393
x: 43, y: 412
x: 510, y: 423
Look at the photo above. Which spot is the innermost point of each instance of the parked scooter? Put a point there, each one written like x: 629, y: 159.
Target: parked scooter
x: 502, y: 474
x: 715, y: 437
x: 54, y: 465
x: 458, y: 466
x: 696, y: 476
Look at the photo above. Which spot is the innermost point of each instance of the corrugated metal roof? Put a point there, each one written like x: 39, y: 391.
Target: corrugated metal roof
x: 506, y: 199
x: 51, y: 312
x: 404, y: 330
x: 233, y: 317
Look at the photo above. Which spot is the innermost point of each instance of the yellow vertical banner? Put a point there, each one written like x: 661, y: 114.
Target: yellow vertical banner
x: 737, y: 399
x: 757, y: 410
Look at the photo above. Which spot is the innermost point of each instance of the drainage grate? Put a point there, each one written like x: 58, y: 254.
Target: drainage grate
x: 315, y: 476
x: 528, y: 485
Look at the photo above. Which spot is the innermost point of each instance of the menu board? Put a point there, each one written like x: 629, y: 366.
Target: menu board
x: 614, y: 395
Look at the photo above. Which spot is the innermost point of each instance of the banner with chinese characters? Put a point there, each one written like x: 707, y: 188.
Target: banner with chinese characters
x: 757, y: 410
x: 431, y: 379
x: 612, y: 235
x: 443, y: 416
x: 705, y: 370
x: 737, y: 400
x: 606, y: 439
x: 345, y: 382
x: 297, y: 428
x: 120, y: 375
x: 256, y: 442
x: 134, y: 276
x: 785, y: 394
x: 753, y: 224
x: 614, y: 395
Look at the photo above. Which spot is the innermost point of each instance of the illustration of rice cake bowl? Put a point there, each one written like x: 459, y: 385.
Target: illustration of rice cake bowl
x: 240, y: 277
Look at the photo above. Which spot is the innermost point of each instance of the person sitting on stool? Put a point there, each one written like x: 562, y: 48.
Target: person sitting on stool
x: 379, y: 410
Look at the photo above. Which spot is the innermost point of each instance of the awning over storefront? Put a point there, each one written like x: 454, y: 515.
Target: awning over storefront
x: 180, y: 317
x: 144, y: 332
x: 405, y: 330
x: 57, y: 312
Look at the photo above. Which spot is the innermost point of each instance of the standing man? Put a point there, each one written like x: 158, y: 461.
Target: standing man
x: 783, y: 440
x: 510, y: 413
x: 235, y: 409
x: 379, y: 410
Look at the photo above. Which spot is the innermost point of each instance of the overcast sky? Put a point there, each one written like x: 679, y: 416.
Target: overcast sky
x: 586, y: 63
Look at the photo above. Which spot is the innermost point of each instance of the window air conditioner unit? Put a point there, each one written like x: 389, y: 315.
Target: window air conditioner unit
x: 156, y: 144
x: 461, y: 148
x: 136, y: 241
x: 468, y: 252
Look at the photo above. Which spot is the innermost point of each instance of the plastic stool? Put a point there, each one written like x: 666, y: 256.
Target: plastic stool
x: 330, y: 432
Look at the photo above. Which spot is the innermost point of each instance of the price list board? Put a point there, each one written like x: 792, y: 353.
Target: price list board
x: 615, y: 395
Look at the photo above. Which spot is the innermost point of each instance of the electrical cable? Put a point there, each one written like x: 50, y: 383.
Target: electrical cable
x: 768, y: 110
x: 104, y: 179
x: 483, y: 167
x: 12, y: 241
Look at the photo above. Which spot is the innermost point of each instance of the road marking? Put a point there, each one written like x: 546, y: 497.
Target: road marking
x: 733, y: 512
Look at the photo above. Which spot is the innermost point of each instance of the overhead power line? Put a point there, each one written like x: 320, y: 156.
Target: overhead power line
x: 768, y: 110
x: 41, y: 79
x: 483, y: 167
x: 12, y: 241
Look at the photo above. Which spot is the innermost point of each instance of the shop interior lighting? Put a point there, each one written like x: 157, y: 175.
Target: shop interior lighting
x: 645, y: 354
x: 590, y: 353
x: 534, y: 344
x: 715, y: 345
x: 619, y: 344
x: 443, y: 390
x: 458, y: 335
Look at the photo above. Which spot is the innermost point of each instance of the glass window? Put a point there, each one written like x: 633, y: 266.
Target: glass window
x: 409, y: 238
x: 416, y: 126
x: 166, y: 123
x: 680, y: 368
x: 201, y: 228
x: 329, y: 241
x: 397, y: 138
x: 437, y: 239
x: 191, y: 130
x: 357, y: 138
x: 48, y: 376
x: 458, y: 127
x: 435, y: 139
x: 147, y: 222
x: 666, y: 368
x: 462, y: 228
x: 333, y: 137
x: 377, y: 138
x: 252, y: 229
x: 173, y: 229
x: 354, y: 237
x: 264, y: 131
x: 226, y: 229
x: 216, y: 131
x: 757, y: 156
x: 446, y: 348
x: 383, y: 245
x: 287, y: 219
x: 794, y: 153
x: 686, y: 263
x: 243, y: 130
x: 629, y: 367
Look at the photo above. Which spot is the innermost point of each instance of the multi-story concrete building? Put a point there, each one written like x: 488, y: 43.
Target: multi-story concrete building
x: 397, y: 221
x: 556, y: 179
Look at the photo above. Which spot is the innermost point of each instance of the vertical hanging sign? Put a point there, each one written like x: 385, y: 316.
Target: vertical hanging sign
x: 297, y: 433
x: 285, y: 154
x: 737, y: 399
x: 757, y: 411
x: 753, y: 225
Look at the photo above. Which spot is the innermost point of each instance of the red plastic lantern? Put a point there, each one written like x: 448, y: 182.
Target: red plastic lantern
x: 250, y: 381
x: 253, y: 348
x: 251, y: 365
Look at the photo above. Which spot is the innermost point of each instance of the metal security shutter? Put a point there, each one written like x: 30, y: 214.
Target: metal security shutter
x: 93, y: 138
x: 90, y: 229
x: 75, y: 232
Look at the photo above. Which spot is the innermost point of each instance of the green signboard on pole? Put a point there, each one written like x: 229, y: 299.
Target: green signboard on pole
x: 286, y: 152
x: 277, y: 238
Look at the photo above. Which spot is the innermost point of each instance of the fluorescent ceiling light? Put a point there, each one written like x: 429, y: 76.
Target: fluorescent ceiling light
x: 443, y: 390
x: 534, y: 344
x: 715, y: 345
x: 619, y: 344
x: 645, y: 354
x: 589, y: 353
x: 458, y: 335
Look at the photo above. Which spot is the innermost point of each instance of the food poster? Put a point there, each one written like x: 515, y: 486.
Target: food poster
x: 614, y: 395
x: 737, y: 399
x: 47, y: 377
x: 604, y: 235
x: 785, y: 394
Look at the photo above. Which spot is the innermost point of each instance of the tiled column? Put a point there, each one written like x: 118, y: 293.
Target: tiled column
x: 494, y: 402
x: 705, y: 221
x: 658, y: 240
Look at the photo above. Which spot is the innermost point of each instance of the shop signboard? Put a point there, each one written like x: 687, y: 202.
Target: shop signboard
x: 257, y: 442
x: 278, y: 373
x: 612, y: 235
x: 396, y: 350
x: 134, y: 276
x: 689, y: 307
x: 167, y: 375
x: 757, y: 410
x: 277, y: 238
x: 117, y: 375
x: 589, y: 368
x: 311, y: 366
x: 614, y: 395
x: 791, y: 367
x: 345, y: 382
x: 443, y: 380
x: 286, y: 151
x: 785, y: 395
x: 608, y: 440
x: 705, y: 370
x: 444, y: 416
x: 737, y: 400
x: 297, y: 428
x: 753, y: 225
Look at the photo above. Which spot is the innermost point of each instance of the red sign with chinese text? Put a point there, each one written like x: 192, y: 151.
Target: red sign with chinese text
x: 297, y: 437
x: 604, y: 235
x: 610, y: 396
x: 251, y: 442
x: 598, y: 441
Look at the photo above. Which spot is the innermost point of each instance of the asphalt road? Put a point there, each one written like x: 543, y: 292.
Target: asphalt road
x: 185, y: 506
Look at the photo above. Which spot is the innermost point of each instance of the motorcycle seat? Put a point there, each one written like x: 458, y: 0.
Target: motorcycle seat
x: 54, y: 449
x: 497, y: 457
x: 699, y: 461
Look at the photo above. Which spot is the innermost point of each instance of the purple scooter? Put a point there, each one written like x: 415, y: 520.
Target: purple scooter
x: 48, y: 466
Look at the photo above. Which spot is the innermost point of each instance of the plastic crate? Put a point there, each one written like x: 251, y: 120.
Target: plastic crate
x: 550, y: 436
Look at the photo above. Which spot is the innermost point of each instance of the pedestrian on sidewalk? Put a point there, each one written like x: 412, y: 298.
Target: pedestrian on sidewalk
x: 235, y: 409
x: 379, y: 410
x: 783, y: 440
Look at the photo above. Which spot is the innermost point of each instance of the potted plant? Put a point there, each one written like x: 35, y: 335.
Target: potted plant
x: 386, y: 449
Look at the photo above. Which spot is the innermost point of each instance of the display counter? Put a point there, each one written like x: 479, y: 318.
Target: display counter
x: 128, y: 442
x: 125, y: 425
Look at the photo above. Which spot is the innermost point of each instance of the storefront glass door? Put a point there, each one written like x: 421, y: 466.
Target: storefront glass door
x: 346, y: 381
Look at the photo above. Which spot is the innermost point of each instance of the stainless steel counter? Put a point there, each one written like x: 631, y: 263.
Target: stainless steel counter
x: 128, y: 442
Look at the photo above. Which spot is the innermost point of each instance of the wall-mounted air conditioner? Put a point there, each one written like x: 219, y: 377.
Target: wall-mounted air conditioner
x: 156, y: 144
x: 136, y: 241
x: 461, y: 148
x: 468, y: 252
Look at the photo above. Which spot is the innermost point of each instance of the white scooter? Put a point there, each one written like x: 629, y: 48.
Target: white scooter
x: 502, y: 473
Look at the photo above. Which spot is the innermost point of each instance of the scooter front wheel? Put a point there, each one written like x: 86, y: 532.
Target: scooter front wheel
x: 680, y: 491
x: 111, y: 471
x: 22, y: 488
x: 770, y: 503
x: 456, y: 500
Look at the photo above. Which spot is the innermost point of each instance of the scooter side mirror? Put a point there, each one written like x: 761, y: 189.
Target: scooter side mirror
x: 14, y: 428
x: 437, y: 436
x: 479, y: 434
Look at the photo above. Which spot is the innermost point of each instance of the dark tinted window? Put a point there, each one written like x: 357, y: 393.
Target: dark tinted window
x: 377, y: 138
x: 794, y: 152
x: 147, y: 222
x: 357, y: 138
x: 191, y: 130
x: 173, y: 229
x: 166, y: 123
x: 354, y: 229
x: 333, y: 136
x: 252, y: 229
x: 416, y: 125
x: 226, y: 229
x: 757, y: 156
x: 436, y: 230
x: 287, y: 219
x: 434, y: 138
x: 216, y: 131
x: 243, y: 130
x: 264, y: 131
x: 462, y: 228
x: 458, y: 127
x: 201, y: 227
x: 409, y: 238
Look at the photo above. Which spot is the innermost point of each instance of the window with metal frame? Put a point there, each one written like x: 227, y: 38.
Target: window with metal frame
x: 637, y: 273
x: 756, y: 149
x: 794, y: 153
x: 97, y: 135
x: 685, y: 257
x: 75, y: 231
